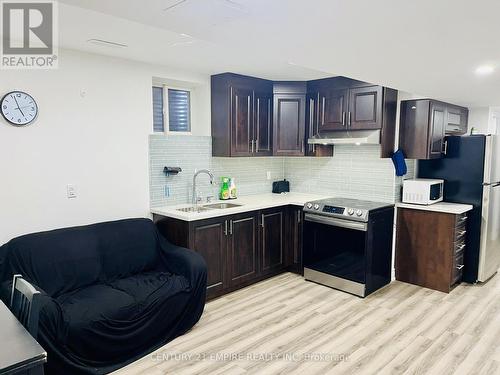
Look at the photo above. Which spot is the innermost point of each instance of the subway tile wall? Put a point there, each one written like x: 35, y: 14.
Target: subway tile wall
x: 353, y: 171
x: 195, y: 152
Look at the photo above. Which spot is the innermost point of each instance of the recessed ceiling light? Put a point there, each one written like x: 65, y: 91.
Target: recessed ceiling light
x: 484, y: 70
x: 106, y: 43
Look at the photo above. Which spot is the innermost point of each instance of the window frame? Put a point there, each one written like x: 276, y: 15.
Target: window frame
x: 166, y: 117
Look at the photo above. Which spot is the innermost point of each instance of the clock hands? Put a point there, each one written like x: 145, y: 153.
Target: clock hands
x: 20, y: 110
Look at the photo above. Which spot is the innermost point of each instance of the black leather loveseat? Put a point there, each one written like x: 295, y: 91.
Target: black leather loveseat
x: 112, y: 292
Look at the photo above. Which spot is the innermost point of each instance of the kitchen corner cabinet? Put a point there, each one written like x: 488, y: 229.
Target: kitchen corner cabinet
x: 239, y: 249
x: 424, y: 123
x: 289, y: 118
x: 242, y: 117
x: 430, y: 248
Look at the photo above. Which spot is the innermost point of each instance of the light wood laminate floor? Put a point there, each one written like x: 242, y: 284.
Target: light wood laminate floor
x: 286, y: 325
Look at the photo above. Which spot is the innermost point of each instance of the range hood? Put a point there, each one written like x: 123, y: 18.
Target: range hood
x: 341, y: 137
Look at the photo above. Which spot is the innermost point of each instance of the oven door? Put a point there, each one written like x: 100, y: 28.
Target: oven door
x: 334, y: 247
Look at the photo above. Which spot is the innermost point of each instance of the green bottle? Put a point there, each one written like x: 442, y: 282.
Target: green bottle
x: 224, y: 188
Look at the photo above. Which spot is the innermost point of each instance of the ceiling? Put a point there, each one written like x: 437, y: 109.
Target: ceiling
x: 426, y: 47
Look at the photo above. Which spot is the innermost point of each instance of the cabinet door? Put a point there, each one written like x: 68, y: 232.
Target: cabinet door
x: 436, y: 129
x: 263, y: 124
x: 295, y: 238
x: 312, y: 127
x: 365, y: 108
x: 208, y: 237
x: 241, y: 121
x: 242, y: 248
x: 456, y: 120
x: 289, y: 124
x: 271, y: 240
x: 333, y: 109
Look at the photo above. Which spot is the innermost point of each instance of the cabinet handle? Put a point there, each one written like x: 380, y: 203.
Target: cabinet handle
x: 230, y: 227
x: 262, y: 221
x: 298, y: 217
x: 256, y: 145
x: 349, y: 119
x: 462, y: 232
x: 225, y: 227
x: 343, y: 118
x: 323, y: 112
x: 460, y: 267
x: 445, y: 146
x: 302, y: 147
x: 317, y: 116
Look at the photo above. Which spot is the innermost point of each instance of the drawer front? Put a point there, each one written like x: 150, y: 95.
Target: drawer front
x: 459, y: 246
x: 458, y: 268
x: 460, y: 220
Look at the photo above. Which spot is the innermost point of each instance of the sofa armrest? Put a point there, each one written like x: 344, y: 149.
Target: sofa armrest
x: 186, y: 262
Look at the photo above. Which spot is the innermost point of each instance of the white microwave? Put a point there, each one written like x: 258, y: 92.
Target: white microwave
x: 423, y: 191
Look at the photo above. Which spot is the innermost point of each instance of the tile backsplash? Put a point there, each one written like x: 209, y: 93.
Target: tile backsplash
x: 353, y: 171
x: 193, y: 153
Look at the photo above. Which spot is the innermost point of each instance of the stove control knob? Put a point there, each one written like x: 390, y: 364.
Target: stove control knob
x: 350, y: 211
x: 316, y: 206
x: 359, y: 212
x: 309, y: 205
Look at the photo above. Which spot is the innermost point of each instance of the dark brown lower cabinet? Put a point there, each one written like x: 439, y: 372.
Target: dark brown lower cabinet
x: 430, y: 248
x: 272, y: 224
x: 241, y: 249
x: 295, y: 227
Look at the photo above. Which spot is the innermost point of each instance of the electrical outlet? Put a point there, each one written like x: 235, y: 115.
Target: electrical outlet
x: 268, y: 174
x: 71, y: 191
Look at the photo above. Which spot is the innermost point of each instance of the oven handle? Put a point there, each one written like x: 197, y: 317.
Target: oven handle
x: 356, y: 225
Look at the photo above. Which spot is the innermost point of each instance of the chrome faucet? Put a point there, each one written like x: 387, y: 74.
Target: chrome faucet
x: 195, y: 200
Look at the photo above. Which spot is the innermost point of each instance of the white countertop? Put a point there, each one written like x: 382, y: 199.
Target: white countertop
x: 248, y: 203
x: 445, y: 207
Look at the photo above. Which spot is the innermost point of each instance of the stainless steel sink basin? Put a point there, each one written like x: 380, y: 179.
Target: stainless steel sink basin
x: 222, y: 205
x: 193, y: 209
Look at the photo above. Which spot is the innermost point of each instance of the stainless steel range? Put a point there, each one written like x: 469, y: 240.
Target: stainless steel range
x: 347, y: 244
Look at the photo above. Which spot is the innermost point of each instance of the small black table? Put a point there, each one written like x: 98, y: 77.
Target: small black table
x: 20, y: 354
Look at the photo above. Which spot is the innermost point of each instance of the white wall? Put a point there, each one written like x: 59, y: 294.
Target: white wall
x: 485, y: 120
x: 99, y: 142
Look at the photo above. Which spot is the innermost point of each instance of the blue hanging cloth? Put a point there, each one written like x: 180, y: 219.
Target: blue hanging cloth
x: 398, y: 159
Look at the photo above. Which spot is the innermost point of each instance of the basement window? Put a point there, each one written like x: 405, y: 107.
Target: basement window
x: 171, y: 106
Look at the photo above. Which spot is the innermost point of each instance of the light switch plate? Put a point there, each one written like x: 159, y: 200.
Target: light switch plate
x: 71, y: 191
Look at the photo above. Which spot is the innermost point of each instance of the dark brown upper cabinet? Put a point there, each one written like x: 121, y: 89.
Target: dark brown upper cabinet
x: 242, y: 117
x: 423, y: 126
x: 289, y: 118
x: 333, y: 109
x: 348, y: 104
x: 312, y: 127
x: 263, y: 129
x: 365, y: 108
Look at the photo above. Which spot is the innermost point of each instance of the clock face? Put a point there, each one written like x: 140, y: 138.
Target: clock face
x: 19, y: 108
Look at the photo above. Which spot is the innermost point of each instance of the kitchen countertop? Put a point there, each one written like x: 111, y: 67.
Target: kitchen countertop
x: 445, y: 207
x: 248, y: 203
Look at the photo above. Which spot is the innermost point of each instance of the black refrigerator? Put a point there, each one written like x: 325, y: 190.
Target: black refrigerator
x: 471, y: 170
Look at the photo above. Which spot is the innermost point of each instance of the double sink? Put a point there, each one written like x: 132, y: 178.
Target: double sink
x: 207, y: 207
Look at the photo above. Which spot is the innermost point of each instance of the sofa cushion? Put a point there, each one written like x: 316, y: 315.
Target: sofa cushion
x: 127, y: 247
x: 56, y: 261
x: 100, y: 316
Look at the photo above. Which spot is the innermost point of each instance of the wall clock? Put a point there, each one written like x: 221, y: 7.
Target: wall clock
x: 19, y: 108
